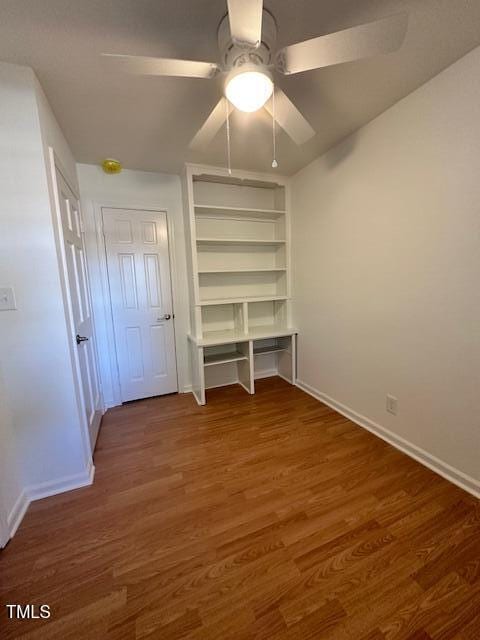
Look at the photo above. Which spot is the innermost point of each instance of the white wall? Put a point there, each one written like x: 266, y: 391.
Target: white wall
x: 387, y: 271
x: 38, y: 380
x: 136, y: 190
x: 52, y: 136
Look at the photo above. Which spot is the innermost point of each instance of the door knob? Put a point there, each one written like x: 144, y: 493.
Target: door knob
x: 80, y: 339
x: 167, y: 316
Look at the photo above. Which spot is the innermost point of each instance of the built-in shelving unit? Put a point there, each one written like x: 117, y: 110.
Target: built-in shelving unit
x: 239, y: 229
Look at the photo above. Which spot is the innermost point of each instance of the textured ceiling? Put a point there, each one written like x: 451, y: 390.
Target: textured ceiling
x: 147, y: 122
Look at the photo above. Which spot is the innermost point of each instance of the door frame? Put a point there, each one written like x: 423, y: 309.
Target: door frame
x: 111, y: 346
x: 54, y: 166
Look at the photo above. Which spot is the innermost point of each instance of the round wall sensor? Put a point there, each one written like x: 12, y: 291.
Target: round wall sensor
x: 110, y: 165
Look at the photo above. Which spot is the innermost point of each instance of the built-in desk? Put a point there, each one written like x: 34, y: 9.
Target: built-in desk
x: 227, y: 357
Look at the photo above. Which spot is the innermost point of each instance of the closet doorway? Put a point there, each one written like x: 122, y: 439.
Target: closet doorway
x: 138, y: 265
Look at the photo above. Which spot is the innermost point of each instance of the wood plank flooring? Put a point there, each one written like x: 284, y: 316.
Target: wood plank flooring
x: 264, y: 517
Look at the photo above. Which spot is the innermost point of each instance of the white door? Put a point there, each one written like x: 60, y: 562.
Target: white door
x: 140, y: 289
x: 81, y: 305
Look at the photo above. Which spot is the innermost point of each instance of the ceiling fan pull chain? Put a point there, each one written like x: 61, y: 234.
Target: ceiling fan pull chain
x: 274, y: 161
x: 228, y: 138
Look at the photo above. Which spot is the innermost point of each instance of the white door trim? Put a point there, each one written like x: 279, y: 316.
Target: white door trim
x: 54, y: 166
x: 105, y: 287
x: 4, y: 530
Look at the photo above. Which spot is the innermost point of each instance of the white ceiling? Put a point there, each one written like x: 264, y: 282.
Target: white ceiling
x: 147, y: 122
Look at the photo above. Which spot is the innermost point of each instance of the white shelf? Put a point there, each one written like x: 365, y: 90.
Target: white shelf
x: 270, y: 331
x: 216, y: 338
x: 223, y: 358
x: 270, y: 270
x: 207, y: 303
x: 246, y: 241
x: 262, y: 351
x: 215, y: 211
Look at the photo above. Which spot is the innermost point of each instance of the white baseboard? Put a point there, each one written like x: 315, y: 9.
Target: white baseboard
x: 15, y: 517
x: 285, y: 378
x: 443, y: 469
x: 267, y: 373
x: 67, y: 483
x: 4, y: 537
x: 187, y: 388
x: 44, y: 490
x: 223, y: 384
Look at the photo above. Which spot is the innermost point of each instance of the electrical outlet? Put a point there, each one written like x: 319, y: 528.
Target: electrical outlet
x: 392, y: 405
x: 7, y: 299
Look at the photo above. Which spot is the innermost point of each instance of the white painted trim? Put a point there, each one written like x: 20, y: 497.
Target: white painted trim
x: 230, y: 383
x: 186, y: 389
x: 67, y: 483
x: 106, y: 305
x: 443, y: 469
x: 266, y: 373
x: 4, y: 531
x: 17, y: 512
x: 4, y: 537
x: 245, y: 387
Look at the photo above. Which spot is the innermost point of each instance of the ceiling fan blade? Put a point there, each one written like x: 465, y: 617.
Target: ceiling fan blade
x: 144, y: 65
x: 245, y: 17
x: 212, y: 125
x: 381, y: 36
x: 289, y: 118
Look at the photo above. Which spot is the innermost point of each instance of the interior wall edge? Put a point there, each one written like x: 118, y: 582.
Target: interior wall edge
x: 457, y: 477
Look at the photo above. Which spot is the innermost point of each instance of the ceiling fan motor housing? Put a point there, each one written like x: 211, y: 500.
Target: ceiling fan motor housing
x: 233, y: 54
x: 248, y: 62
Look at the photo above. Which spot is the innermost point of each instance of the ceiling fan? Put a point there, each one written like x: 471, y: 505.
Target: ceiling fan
x: 246, y: 37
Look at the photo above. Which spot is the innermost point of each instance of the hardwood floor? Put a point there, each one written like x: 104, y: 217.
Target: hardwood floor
x: 264, y: 517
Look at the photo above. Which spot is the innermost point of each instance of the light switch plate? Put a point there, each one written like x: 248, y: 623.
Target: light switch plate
x: 392, y: 405
x: 7, y: 299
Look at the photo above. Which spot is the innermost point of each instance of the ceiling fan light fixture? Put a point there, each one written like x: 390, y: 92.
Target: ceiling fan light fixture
x: 247, y: 88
